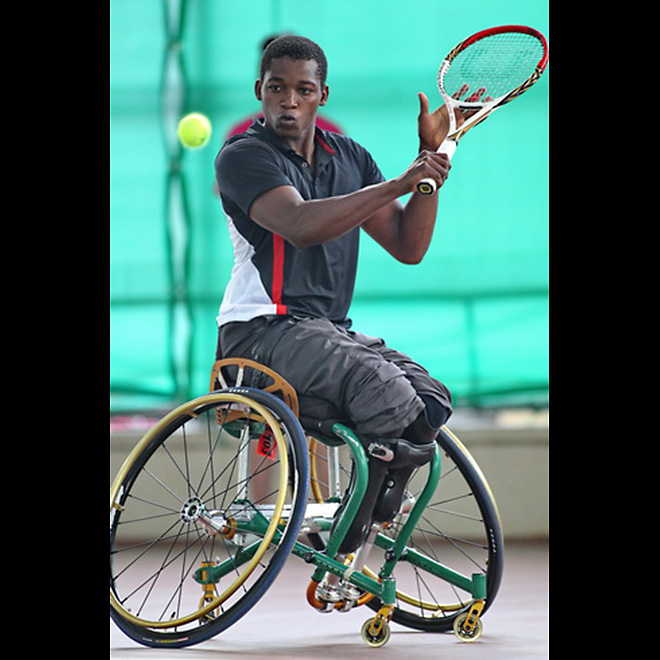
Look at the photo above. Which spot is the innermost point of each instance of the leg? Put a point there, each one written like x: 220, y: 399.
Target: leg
x: 424, y: 430
x: 436, y: 397
x: 325, y: 362
x: 384, y: 395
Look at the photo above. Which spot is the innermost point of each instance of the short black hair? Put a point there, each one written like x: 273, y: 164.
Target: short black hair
x: 297, y: 48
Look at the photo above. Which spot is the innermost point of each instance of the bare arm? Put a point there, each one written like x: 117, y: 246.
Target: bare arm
x: 306, y: 223
x: 303, y: 223
x: 405, y: 233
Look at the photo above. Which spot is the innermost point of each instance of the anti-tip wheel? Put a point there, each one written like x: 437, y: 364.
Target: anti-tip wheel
x: 380, y: 638
x: 470, y: 633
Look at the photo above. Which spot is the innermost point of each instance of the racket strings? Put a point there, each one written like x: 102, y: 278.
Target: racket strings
x: 493, y: 67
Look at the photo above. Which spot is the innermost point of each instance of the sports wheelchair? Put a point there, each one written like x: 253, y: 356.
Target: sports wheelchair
x: 217, y: 496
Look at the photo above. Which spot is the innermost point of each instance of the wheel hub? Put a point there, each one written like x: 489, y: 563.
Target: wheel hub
x: 192, y: 510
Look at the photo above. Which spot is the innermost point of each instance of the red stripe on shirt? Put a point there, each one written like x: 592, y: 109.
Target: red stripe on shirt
x: 325, y: 145
x: 278, y: 273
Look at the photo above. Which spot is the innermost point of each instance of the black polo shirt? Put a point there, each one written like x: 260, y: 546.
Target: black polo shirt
x: 270, y: 275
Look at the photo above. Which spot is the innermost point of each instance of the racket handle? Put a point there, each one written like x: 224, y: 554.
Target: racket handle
x: 429, y: 186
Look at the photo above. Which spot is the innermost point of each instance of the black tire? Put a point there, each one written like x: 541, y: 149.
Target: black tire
x: 201, y: 478
x: 482, y: 549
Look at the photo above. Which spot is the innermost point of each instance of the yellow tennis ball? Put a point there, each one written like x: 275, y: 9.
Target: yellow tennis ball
x: 194, y: 130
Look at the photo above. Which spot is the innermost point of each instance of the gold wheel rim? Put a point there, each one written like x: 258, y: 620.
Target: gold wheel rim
x: 115, y: 492
x: 314, y: 444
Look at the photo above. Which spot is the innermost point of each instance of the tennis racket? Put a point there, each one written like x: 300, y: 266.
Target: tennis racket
x: 483, y: 73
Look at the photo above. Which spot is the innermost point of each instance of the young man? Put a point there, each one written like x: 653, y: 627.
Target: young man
x: 297, y: 199
x: 240, y: 127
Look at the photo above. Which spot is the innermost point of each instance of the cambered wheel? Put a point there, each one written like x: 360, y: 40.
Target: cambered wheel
x: 203, y: 515
x: 460, y: 529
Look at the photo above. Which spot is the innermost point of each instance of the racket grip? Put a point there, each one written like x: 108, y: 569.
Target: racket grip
x: 429, y: 186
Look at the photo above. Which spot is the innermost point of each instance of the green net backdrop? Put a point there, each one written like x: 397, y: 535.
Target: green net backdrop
x: 475, y: 312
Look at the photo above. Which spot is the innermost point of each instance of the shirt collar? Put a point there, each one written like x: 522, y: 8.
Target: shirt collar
x: 324, y: 150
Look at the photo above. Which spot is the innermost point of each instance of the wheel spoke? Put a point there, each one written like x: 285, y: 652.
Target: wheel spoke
x: 197, y: 504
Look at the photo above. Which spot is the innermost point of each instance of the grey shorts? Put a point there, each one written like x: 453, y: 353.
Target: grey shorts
x: 338, y: 374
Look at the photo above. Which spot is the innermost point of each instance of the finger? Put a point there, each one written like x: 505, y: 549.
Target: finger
x: 423, y: 104
x: 437, y: 165
x: 440, y: 161
x: 463, y: 115
x: 463, y: 90
x: 431, y: 165
x: 474, y: 97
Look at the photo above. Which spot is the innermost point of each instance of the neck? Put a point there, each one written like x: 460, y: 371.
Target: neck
x: 303, y: 144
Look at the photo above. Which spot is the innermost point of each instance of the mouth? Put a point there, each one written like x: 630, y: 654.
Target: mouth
x: 287, y: 120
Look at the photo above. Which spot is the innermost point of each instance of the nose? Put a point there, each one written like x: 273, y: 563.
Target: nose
x: 289, y: 99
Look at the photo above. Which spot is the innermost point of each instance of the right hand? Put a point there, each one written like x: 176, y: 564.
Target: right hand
x: 428, y: 164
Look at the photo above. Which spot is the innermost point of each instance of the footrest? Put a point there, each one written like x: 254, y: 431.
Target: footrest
x: 402, y: 454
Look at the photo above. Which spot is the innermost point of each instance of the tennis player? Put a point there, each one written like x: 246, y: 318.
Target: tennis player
x: 297, y: 200
x: 241, y: 126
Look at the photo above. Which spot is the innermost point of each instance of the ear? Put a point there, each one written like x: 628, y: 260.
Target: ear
x: 324, y: 95
x: 257, y: 89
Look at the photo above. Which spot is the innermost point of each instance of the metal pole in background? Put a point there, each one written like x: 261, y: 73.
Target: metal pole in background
x: 174, y: 99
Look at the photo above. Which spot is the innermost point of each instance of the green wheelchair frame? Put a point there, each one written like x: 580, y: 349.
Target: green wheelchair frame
x: 257, y: 533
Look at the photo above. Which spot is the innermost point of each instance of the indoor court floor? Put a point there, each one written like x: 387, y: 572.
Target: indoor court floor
x: 284, y: 627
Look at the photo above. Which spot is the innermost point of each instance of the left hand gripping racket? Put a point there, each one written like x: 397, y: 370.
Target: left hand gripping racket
x: 483, y: 73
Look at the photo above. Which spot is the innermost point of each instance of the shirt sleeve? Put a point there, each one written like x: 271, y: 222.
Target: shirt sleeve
x: 368, y: 167
x: 371, y: 172
x: 245, y: 170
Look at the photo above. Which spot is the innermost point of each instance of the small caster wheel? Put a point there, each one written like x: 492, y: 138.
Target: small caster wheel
x: 376, y: 634
x: 468, y: 628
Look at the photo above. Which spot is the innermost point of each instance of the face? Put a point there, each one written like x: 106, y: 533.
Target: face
x: 291, y: 94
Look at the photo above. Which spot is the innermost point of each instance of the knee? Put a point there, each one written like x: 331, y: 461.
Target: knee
x: 424, y: 430
x: 438, y: 410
